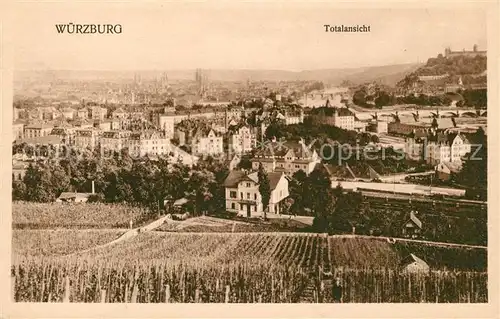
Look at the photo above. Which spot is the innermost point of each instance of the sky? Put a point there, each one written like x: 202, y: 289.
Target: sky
x: 238, y: 36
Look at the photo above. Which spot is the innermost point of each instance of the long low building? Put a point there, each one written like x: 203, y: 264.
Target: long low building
x: 400, y: 188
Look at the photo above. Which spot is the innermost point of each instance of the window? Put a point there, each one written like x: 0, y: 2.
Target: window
x: 248, y: 184
x: 241, y: 195
x: 255, y: 196
x: 242, y: 206
x: 232, y: 194
x: 233, y: 206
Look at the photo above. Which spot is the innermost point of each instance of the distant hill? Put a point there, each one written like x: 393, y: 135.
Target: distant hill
x: 388, y: 74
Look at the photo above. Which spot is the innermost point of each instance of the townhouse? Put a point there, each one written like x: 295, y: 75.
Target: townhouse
x: 243, y: 140
x: 286, y: 157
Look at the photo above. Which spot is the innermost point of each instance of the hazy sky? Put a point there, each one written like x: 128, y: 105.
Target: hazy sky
x: 242, y: 36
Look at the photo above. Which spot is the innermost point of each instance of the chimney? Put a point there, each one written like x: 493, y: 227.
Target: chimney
x: 93, y: 187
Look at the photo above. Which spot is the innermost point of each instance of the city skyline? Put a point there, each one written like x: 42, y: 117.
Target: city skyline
x: 254, y: 36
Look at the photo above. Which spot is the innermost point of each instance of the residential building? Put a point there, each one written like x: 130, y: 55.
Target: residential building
x: 343, y: 118
x: 17, y: 130
x: 66, y: 132
x: 37, y: 130
x: 115, y: 141
x: 83, y: 113
x: 207, y: 142
x: 287, y: 157
x: 243, y: 196
x: 294, y: 117
x: 443, y: 147
x: 87, y: 137
x: 415, y: 145
x: 98, y: 112
x: 148, y: 143
x: 68, y: 113
x: 83, y: 123
x: 167, y: 124
x: 243, y: 140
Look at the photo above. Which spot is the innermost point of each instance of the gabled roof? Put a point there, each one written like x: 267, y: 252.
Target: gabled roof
x: 415, y: 220
x: 274, y: 178
x: 343, y: 111
x: 237, y: 176
x: 119, y: 110
x: 411, y: 258
x: 453, y: 167
x: 70, y: 195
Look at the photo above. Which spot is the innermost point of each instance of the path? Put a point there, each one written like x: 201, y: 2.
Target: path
x: 129, y: 234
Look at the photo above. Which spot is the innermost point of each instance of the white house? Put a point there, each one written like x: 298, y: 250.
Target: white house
x: 446, y: 148
x: 243, y: 140
x: 207, y: 142
x: 243, y: 196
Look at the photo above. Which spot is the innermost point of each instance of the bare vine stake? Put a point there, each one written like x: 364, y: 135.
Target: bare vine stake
x: 103, y: 295
x: 66, y: 290
x: 125, y: 299
x: 167, y: 293
x: 135, y: 291
x: 227, y: 294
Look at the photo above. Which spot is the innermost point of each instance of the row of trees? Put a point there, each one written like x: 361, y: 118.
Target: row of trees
x: 121, y: 179
x: 383, y: 98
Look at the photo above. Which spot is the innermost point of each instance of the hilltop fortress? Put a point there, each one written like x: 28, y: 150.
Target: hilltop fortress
x: 449, y: 54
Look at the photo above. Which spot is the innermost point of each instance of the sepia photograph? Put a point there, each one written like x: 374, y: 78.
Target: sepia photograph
x: 249, y: 153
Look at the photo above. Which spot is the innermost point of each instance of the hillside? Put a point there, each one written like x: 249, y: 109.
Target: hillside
x: 470, y: 70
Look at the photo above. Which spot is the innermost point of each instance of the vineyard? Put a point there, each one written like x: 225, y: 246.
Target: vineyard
x: 153, y: 282
x: 220, y: 225
x: 34, y: 242
x: 27, y: 215
x: 241, y: 267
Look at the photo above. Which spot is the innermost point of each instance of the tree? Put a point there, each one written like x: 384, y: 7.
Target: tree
x: 359, y: 97
x: 475, y: 173
x: 297, y: 190
x: 319, y: 184
x: 264, y: 188
x: 18, y: 190
x: 38, y: 184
